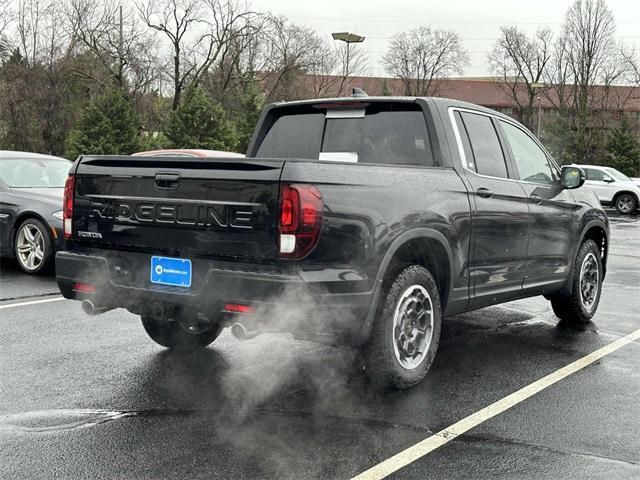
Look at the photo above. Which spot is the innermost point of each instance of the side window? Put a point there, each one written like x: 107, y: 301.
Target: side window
x: 595, y: 175
x: 487, y: 152
x: 532, y: 162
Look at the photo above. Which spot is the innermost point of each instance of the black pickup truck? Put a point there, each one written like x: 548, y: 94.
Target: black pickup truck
x: 359, y: 221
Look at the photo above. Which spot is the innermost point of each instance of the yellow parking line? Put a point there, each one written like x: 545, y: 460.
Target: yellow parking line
x: 420, y: 449
x: 33, y: 302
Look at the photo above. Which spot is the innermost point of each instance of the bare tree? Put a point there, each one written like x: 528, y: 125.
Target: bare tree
x: 594, y: 61
x: 196, y: 43
x: 112, y: 34
x: 557, y: 77
x: 521, y: 62
x: 6, y: 16
x: 419, y: 57
x: 288, y: 52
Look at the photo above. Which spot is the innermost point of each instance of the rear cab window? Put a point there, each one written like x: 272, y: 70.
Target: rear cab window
x: 375, y: 133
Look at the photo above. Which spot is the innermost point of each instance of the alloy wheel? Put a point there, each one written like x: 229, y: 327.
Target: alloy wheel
x: 30, y: 247
x: 625, y: 204
x: 412, y: 327
x: 589, y: 280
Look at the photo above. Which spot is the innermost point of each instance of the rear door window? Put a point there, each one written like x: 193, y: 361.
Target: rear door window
x: 390, y: 134
x: 485, y: 146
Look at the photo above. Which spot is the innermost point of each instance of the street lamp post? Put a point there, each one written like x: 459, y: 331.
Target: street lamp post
x: 347, y: 38
x: 539, y: 110
x: 538, y: 89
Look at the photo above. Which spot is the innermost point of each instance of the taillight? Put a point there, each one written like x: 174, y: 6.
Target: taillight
x: 67, y: 207
x: 84, y: 287
x: 299, y: 221
x: 238, y: 308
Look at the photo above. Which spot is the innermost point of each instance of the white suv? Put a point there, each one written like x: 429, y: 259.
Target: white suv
x: 612, y: 187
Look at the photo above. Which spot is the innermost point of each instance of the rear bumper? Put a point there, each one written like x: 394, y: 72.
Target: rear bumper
x: 315, y: 305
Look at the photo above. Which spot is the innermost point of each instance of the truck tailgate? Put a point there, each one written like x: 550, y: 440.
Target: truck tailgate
x: 223, y: 207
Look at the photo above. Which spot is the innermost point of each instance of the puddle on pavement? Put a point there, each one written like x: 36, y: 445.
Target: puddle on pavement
x: 59, y: 420
x: 63, y: 420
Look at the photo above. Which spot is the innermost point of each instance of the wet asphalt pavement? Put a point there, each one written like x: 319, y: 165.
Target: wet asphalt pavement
x: 93, y: 397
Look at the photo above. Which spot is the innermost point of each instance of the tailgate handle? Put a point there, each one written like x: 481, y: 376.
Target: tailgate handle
x: 167, y: 180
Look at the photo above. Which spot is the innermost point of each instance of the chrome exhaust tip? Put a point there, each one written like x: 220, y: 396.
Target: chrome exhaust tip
x: 90, y: 309
x: 238, y: 331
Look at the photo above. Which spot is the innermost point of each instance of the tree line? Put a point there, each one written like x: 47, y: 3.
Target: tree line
x: 104, y: 76
x: 579, y: 72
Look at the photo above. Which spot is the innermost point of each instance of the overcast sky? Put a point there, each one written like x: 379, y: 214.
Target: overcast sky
x: 476, y: 21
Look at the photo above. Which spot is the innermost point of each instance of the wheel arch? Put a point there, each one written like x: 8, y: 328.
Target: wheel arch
x: 597, y: 231
x: 421, y: 246
x: 622, y: 192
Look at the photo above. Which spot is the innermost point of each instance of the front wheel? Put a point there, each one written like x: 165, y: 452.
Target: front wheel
x: 406, y: 331
x: 581, y: 304
x: 626, y: 204
x: 182, y: 334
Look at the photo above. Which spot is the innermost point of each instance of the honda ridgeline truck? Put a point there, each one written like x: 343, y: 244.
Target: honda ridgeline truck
x: 360, y: 221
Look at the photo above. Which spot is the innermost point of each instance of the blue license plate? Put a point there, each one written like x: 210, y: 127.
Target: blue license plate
x: 171, y: 271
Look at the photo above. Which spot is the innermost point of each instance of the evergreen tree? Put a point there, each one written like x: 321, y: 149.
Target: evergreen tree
x: 623, y: 149
x: 385, y: 89
x: 252, y: 103
x: 200, y: 123
x: 108, y: 126
x: 560, y: 140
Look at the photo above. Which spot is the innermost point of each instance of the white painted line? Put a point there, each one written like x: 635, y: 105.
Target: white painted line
x: 33, y: 302
x: 420, y: 449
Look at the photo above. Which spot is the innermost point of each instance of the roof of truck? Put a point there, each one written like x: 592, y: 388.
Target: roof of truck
x: 440, y: 101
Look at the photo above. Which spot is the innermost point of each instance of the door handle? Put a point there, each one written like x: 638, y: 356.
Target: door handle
x: 167, y: 180
x: 535, y: 198
x: 484, y: 192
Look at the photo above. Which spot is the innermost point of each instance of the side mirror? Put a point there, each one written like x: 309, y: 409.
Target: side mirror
x: 572, y: 177
x: 608, y: 179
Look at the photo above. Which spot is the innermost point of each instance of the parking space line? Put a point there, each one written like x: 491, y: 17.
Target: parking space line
x: 33, y: 302
x: 420, y: 449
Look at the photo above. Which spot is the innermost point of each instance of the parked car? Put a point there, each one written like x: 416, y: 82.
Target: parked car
x: 188, y: 152
x: 359, y: 221
x: 31, y: 191
x: 613, y: 188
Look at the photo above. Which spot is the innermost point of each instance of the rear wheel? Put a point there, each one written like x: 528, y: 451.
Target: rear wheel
x: 581, y: 304
x: 183, y: 333
x: 406, y: 332
x: 626, y: 203
x: 33, y: 247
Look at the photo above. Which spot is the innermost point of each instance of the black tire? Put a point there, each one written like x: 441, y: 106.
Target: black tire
x: 626, y: 203
x: 574, y: 308
x: 172, y: 334
x: 382, y: 362
x: 28, y: 261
